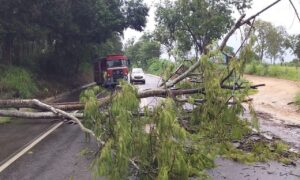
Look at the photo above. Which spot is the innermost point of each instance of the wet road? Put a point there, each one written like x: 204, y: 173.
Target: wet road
x: 60, y: 156
x: 55, y: 157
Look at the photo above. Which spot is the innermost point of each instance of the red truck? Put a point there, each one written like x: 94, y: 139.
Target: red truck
x: 108, y: 70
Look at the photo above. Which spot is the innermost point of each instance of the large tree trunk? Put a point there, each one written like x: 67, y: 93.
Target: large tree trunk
x: 34, y: 115
x: 70, y: 106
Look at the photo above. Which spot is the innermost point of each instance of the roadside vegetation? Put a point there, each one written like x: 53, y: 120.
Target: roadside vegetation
x: 55, y: 44
x: 5, y: 120
x: 160, y: 66
x: 192, y: 139
x: 297, y: 99
x: 17, y: 82
x: 277, y: 71
x: 59, y: 40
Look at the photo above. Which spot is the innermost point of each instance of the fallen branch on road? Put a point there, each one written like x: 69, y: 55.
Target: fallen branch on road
x: 66, y: 106
x: 54, y: 113
x: 34, y: 115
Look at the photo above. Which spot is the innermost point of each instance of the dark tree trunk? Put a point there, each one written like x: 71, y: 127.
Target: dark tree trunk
x: 261, y: 56
x: 7, y: 49
x: 17, y: 49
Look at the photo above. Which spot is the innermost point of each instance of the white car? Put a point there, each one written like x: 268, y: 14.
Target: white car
x: 137, y: 75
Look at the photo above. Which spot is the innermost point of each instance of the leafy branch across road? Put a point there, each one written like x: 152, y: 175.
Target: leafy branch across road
x: 168, y: 141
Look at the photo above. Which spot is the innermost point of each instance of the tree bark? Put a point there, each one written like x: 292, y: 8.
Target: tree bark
x: 167, y: 92
x: 7, y: 48
x: 70, y: 106
x: 34, y: 115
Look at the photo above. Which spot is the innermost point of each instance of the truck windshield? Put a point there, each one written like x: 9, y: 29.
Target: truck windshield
x: 117, y: 63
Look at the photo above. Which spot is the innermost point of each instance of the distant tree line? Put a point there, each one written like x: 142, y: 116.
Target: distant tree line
x: 58, y: 36
x: 273, y: 42
x: 188, y: 29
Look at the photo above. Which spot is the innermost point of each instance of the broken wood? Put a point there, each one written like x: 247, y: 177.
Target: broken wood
x: 54, y: 112
x: 168, y: 92
x: 34, y: 115
x: 66, y: 106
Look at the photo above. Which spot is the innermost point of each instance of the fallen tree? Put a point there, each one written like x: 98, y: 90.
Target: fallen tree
x: 35, y: 115
x: 66, y: 106
x: 177, y: 144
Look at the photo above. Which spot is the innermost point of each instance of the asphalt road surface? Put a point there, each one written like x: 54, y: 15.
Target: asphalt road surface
x: 60, y: 155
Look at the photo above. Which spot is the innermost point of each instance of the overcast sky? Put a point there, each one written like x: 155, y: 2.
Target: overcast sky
x: 281, y: 14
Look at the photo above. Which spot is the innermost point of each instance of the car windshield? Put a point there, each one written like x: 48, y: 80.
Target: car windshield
x: 117, y: 63
x: 137, y: 70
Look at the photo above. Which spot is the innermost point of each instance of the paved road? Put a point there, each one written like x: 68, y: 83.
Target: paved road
x: 55, y: 157
x: 59, y: 157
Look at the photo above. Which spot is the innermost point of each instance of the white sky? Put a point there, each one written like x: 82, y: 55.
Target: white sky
x: 282, y: 14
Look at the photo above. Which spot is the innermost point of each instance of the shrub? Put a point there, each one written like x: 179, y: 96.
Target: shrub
x: 159, y: 66
x: 17, y: 82
x: 251, y: 68
x: 4, y: 120
x: 285, y: 72
x: 297, y: 99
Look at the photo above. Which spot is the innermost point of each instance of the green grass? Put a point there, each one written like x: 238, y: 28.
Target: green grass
x: 4, y: 120
x: 17, y: 82
x: 159, y: 66
x: 297, y: 99
x: 284, y: 72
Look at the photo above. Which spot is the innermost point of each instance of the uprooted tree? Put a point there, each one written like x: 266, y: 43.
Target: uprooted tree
x: 169, y: 141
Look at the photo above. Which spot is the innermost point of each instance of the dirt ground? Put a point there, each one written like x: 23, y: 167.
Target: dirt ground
x: 276, y: 119
x: 275, y: 98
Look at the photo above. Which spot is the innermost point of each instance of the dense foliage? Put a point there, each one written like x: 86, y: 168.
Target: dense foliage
x: 16, y: 82
x: 172, y: 142
x: 143, y: 51
x: 56, y: 37
x: 184, y: 25
x: 278, y: 71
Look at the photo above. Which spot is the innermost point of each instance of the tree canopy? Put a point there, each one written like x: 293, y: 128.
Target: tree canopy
x: 196, y: 23
x: 143, y: 51
x: 59, y: 35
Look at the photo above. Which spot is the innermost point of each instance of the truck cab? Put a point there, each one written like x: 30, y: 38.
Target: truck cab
x: 109, y: 70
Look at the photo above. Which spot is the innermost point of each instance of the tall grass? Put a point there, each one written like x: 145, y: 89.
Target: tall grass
x: 5, y: 120
x: 284, y: 72
x: 17, y: 82
x: 159, y: 66
x: 297, y: 99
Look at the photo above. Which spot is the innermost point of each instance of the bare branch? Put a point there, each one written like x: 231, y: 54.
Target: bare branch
x: 183, y: 75
x: 69, y: 106
x: 237, y: 25
x: 61, y: 113
x: 294, y: 7
x: 34, y: 115
x: 241, y: 87
x: 240, y: 22
x: 166, y: 92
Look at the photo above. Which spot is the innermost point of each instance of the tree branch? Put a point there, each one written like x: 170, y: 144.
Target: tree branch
x: 297, y: 14
x: 34, y: 115
x: 69, y: 106
x: 61, y: 113
x: 166, y: 92
x: 240, y: 23
x: 237, y: 25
